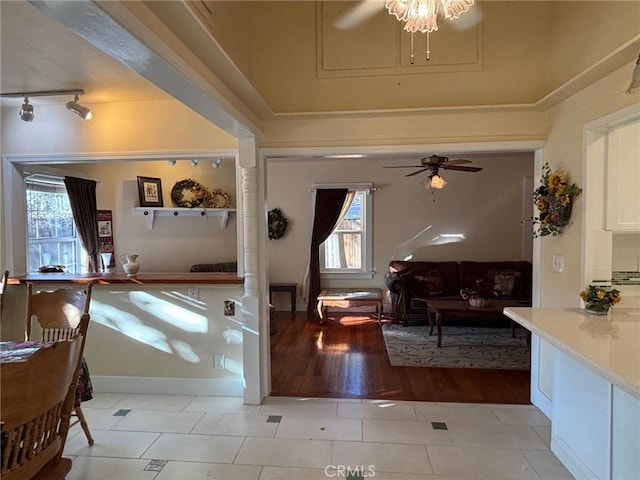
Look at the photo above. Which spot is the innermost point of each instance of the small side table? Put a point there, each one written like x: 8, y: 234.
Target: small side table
x: 284, y: 287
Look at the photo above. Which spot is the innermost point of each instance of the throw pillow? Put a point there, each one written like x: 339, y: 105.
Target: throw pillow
x: 423, y: 285
x: 506, y: 283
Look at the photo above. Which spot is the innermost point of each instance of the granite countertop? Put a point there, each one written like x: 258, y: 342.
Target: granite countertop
x: 610, y: 344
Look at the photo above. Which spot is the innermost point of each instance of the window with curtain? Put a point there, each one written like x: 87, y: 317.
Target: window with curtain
x: 348, y: 250
x: 52, y: 237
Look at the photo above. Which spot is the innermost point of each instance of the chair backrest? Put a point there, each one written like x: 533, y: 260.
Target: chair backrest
x: 37, y: 397
x: 3, y: 288
x: 57, y: 313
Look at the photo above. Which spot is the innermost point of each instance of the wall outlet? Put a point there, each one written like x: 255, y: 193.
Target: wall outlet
x: 218, y: 361
x: 229, y: 308
x: 558, y: 263
x: 193, y: 293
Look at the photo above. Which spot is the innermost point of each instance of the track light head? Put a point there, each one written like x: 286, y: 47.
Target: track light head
x: 80, y: 110
x: 216, y: 163
x: 171, y: 162
x: 194, y: 162
x: 26, y: 112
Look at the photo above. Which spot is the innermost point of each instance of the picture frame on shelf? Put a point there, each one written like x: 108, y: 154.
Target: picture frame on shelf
x: 150, y: 192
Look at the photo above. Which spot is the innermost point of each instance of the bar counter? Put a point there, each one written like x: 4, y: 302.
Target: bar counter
x: 153, y: 278
x: 609, y: 345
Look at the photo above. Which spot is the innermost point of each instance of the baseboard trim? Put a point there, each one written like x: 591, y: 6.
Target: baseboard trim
x: 217, y: 387
x: 570, y: 460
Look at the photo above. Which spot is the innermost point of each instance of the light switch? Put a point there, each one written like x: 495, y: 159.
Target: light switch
x: 558, y: 263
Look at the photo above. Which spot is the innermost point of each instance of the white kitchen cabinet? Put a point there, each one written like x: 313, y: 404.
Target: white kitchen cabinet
x: 623, y: 179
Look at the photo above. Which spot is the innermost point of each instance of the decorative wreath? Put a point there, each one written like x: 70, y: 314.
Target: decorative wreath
x: 277, y: 224
x: 188, y: 193
x: 554, y: 199
x: 217, y: 198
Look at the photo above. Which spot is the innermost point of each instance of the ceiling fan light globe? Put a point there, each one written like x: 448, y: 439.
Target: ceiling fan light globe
x: 437, y: 182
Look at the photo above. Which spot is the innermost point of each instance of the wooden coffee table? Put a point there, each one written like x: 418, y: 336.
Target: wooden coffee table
x: 349, y: 297
x: 461, y: 308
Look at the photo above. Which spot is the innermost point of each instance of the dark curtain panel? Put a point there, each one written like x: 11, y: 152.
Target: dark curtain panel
x: 82, y: 197
x: 327, y: 210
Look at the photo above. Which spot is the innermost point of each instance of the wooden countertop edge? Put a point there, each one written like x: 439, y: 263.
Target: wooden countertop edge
x: 140, y: 279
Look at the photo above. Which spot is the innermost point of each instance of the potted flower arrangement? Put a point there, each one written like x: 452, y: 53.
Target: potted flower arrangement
x: 554, y: 199
x: 598, y: 300
x: 479, y: 296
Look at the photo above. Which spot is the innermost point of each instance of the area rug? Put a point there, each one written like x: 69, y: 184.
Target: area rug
x: 462, y: 347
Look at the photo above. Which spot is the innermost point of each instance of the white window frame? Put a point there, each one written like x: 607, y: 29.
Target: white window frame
x: 54, y: 185
x: 366, y: 263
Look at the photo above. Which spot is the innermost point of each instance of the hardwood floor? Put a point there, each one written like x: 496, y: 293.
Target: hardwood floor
x: 346, y: 358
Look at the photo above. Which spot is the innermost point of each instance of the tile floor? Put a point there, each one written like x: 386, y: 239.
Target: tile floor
x: 185, y: 437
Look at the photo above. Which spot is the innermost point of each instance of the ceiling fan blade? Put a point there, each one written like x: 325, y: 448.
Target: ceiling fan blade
x: 461, y: 168
x: 457, y: 161
x: 416, y: 172
x: 359, y: 14
x: 468, y: 19
x: 403, y: 166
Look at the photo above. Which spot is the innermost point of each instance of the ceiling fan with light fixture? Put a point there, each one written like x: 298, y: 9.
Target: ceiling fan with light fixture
x: 434, y: 164
x: 417, y: 16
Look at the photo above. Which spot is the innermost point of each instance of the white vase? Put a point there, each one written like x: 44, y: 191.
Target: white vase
x: 130, y: 264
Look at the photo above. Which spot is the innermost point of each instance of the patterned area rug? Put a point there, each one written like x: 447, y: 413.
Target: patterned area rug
x: 462, y: 347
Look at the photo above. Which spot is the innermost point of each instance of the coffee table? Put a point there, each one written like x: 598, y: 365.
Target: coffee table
x: 349, y: 297
x: 461, y: 308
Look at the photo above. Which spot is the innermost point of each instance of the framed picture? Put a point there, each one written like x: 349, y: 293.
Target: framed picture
x: 150, y: 192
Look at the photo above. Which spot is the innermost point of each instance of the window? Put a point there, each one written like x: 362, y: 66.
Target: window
x: 347, y: 252
x: 51, y: 232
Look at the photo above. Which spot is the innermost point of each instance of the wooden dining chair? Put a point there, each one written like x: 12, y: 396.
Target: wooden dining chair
x: 37, y: 396
x: 57, y: 315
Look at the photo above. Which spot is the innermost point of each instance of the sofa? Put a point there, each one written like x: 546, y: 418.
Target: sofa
x: 411, y: 282
x: 215, y: 267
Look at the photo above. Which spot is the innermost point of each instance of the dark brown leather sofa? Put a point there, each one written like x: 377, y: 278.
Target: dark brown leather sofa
x: 409, y: 281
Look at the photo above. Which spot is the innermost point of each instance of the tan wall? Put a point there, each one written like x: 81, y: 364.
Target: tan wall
x: 486, y: 207
x: 115, y: 127
x: 174, y: 244
x: 565, y: 148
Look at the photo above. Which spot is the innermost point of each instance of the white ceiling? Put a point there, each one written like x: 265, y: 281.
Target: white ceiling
x: 38, y: 53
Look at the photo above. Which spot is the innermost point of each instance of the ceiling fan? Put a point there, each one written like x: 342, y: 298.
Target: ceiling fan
x: 366, y: 9
x: 433, y: 164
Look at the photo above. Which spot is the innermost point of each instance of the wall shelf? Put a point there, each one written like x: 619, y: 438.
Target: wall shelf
x: 152, y: 212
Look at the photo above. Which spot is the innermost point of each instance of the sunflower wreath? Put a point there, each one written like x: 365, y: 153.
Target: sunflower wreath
x: 277, y: 224
x: 188, y: 193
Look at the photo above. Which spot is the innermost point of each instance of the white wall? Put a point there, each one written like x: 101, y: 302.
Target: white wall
x: 157, y: 333
x: 485, y: 206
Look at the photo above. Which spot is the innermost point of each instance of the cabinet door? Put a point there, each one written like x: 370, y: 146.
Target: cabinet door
x: 623, y: 172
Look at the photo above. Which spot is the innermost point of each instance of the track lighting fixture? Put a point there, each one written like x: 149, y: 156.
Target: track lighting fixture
x: 216, y: 163
x: 26, y: 112
x: 80, y: 110
x: 171, y: 162
x: 194, y: 162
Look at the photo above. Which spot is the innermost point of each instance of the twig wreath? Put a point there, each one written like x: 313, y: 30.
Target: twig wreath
x: 188, y: 193
x: 554, y: 199
x: 277, y: 224
x: 217, y: 198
